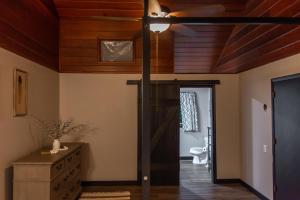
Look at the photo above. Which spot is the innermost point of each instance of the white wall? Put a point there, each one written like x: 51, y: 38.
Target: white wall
x: 105, y: 102
x: 256, y: 124
x: 18, y: 134
x: 197, y: 139
x: 108, y: 104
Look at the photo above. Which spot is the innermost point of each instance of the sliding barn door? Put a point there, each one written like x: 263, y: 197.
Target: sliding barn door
x: 165, y: 106
x: 286, y: 104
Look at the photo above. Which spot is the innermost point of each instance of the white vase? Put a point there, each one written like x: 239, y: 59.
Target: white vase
x: 56, y: 145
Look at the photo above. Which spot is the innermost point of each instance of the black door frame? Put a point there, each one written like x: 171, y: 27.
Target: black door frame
x: 182, y: 84
x: 273, y: 81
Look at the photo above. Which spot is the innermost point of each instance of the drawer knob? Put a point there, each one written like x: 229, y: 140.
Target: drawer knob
x: 59, y: 167
x: 72, y: 172
x: 66, y: 178
x: 70, y: 159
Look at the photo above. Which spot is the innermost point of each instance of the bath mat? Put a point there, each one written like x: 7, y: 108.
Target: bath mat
x: 105, y: 196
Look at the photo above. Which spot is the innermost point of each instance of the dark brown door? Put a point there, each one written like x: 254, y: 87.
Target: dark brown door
x: 286, y: 104
x: 165, y: 106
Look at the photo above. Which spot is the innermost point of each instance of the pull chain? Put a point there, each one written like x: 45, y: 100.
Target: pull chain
x: 156, y: 68
x: 157, y: 48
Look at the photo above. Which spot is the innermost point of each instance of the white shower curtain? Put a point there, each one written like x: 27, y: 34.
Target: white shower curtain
x: 189, y: 111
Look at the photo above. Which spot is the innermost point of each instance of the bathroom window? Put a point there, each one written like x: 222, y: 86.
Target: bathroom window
x: 189, y: 113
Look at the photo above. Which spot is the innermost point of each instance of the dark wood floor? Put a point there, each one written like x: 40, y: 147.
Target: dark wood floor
x: 193, y: 173
x: 195, y: 184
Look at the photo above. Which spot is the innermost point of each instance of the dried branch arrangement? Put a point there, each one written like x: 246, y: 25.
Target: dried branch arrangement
x: 57, y: 129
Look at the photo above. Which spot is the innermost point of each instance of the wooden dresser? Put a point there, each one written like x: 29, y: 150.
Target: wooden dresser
x: 48, y: 177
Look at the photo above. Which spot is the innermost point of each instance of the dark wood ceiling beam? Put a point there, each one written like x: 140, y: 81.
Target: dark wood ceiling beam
x: 202, y: 1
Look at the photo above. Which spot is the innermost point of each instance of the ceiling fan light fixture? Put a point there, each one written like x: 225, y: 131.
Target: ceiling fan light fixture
x: 159, y: 28
x: 159, y: 11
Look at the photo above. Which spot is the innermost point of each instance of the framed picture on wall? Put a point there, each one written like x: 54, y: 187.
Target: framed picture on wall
x: 116, y: 51
x: 20, y: 92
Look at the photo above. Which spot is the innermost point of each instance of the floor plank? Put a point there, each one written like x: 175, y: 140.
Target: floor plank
x: 195, y: 184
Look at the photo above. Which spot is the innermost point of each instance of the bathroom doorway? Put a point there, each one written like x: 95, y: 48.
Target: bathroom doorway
x: 165, y: 132
x: 196, y: 140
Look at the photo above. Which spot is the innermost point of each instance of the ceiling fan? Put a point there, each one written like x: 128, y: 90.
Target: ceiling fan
x: 157, y: 10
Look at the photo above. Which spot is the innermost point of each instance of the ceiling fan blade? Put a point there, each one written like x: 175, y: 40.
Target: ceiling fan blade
x: 200, y: 11
x: 110, y: 18
x: 184, y: 30
x: 154, y: 8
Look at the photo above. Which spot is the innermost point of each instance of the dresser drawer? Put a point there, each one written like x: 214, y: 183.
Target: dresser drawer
x: 75, y: 187
x: 70, y: 160
x: 57, y: 168
x: 58, y: 187
x: 64, y: 184
x: 72, y: 191
x: 73, y: 159
x: 78, y: 167
x: 78, y: 154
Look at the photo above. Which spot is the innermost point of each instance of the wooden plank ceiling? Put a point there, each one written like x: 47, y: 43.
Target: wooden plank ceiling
x: 197, y: 55
x: 200, y: 53
x: 30, y: 29
x: 94, y: 8
x: 251, y: 46
x: 217, y: 49
x: 79, y: 50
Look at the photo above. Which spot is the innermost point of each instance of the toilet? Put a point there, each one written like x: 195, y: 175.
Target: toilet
x: 199, y: 155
